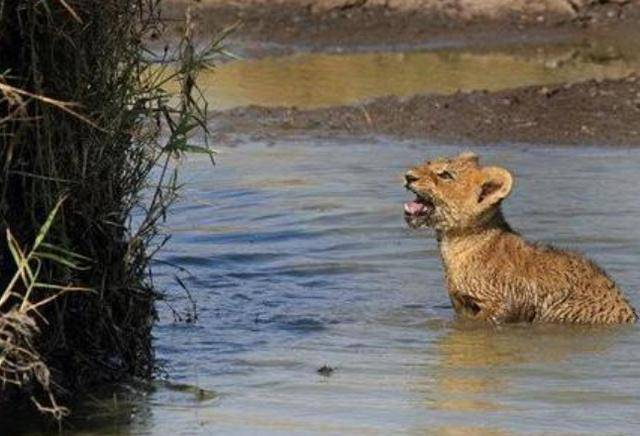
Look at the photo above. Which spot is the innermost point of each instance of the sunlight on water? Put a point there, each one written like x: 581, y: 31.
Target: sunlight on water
x: 316, y: 80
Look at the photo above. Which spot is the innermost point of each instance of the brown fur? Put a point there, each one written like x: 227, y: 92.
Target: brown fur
x: 491, y: 272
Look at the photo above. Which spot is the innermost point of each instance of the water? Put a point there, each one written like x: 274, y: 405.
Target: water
x: 311, y: 80
x: 299, y: 257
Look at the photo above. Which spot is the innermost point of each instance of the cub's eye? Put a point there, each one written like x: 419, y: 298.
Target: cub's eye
x: 445, y: 175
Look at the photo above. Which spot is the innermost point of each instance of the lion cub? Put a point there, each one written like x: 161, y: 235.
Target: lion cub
x: 492, y: 273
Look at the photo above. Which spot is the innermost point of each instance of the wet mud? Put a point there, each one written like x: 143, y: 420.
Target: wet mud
x: 557, y: 108
x: 596, y: 112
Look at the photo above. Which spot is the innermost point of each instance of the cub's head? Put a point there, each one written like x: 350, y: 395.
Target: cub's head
x: 455, y: 193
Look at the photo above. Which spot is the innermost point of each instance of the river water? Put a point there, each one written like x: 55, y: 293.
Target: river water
x: 327, y: 79
x: 298, y: 257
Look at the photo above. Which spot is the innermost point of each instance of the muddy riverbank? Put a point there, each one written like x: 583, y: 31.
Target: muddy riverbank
x: 547, y: 107
x: 593, y: 112
x: 350, y: 24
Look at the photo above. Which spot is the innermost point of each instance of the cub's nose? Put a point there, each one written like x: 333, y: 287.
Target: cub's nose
x: 409, y: 178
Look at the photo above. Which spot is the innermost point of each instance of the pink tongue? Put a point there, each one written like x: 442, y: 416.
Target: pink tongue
x: 414, y: 208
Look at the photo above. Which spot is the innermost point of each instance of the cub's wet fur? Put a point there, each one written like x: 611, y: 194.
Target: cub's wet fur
x: 492, y: 273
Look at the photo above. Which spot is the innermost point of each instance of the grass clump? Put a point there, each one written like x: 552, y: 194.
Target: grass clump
x: 85, y: 116
x: 20, y: 361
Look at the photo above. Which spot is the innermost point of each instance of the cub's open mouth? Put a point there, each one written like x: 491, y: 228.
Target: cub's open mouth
x: 420, y: 207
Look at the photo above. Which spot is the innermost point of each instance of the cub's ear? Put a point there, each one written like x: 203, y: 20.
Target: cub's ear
x: 496, y: 185
x: 469, y: 156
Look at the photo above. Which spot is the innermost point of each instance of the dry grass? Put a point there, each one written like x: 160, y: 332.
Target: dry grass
x: 20, y: 314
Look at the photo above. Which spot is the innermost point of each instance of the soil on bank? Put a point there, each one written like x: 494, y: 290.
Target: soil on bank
x: 593, y: 112
x: 347, y: 24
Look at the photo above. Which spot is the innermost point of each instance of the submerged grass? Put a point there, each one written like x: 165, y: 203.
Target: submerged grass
x: 85, y: 116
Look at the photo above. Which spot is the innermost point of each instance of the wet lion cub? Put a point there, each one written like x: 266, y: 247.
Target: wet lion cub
x: 492, y: 273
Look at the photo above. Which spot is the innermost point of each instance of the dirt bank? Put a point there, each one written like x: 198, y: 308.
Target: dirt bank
x: 345, y: 24
x: 604, y: 113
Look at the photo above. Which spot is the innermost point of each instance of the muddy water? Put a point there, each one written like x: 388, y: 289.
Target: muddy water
x: 317, y: 80
x: 299, y: 258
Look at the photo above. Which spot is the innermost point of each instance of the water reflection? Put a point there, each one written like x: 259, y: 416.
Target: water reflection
x: 486, y: 375
x: 114, y: 410
x: 477, y: 362
x: 316, y: 80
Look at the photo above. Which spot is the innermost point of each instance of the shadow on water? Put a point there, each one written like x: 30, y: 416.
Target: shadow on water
x: 123, y: 409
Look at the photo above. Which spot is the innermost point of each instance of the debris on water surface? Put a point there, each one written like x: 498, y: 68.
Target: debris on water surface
x: 325, y: 370
x: 199, y: 394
